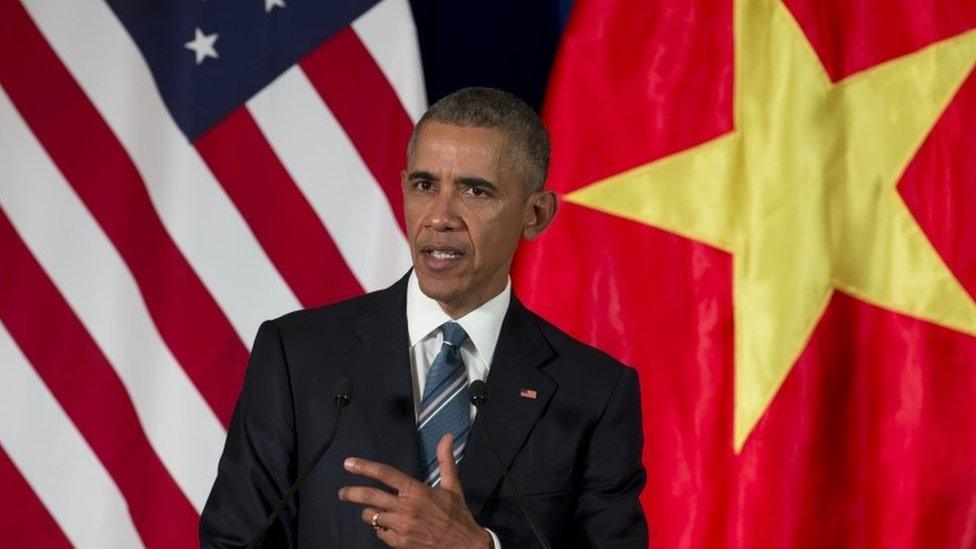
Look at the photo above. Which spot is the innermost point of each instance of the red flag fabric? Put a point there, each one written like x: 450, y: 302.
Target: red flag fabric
x: 765, y: 212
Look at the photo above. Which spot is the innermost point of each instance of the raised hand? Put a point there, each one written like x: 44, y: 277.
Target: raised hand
x: 418, y: 515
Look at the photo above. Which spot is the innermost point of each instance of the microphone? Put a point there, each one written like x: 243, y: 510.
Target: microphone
x: 341, y: 397
x: 479, y: 397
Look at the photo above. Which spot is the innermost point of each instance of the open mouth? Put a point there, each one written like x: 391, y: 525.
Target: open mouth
x: 441, y: 256
x: 444, y: 254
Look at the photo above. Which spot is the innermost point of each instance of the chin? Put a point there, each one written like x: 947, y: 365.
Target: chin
x: 438, y: 290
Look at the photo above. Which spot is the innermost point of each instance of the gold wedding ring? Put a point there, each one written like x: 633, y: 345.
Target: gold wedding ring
x: 376, y: 525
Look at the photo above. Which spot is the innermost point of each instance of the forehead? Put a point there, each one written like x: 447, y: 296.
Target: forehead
x: 442, y: 146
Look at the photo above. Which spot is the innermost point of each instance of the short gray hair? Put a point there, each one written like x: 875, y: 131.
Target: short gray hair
x: 496, y: 109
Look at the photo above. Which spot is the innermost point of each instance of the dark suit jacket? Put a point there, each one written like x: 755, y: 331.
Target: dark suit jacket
x: 574, y: 451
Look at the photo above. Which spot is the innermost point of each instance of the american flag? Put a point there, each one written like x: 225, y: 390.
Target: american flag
x: 171, y: 174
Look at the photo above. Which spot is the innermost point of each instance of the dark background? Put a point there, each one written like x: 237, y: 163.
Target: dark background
x: 505, y: 44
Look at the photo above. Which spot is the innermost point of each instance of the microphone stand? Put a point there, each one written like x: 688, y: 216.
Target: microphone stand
x: 341, y: 399
x: 479, y: 397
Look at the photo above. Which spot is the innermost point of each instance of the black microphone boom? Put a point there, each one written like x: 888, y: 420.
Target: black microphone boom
x: 341, y: 397
x: 479, y: 397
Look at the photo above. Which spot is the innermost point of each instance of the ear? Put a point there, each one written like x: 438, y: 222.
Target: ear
x: 540, y: 208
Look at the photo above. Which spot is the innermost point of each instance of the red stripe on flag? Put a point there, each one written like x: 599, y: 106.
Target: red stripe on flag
x: 27, y: 520
x: 363, y: 101
x: 277, y: 212
x: 90, y: 156
x: 91, y: 393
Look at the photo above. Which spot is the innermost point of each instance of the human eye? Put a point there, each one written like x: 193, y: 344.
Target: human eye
x: 424, y: 185
x: 478, y: 192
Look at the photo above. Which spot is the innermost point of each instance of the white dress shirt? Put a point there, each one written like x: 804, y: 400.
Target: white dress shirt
x: 425, y: 317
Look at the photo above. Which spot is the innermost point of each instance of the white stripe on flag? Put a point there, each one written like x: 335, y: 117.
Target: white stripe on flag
x: 328, y: 170
x: 206, y: 226
x: 388, y: 32
x: 55, y: 460
x: 98, y: 286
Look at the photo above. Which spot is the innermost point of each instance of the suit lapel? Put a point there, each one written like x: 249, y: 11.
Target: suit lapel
x: 510, y: 415
x: 379, y: 366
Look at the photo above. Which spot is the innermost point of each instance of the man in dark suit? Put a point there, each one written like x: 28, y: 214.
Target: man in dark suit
x: 408, y: 468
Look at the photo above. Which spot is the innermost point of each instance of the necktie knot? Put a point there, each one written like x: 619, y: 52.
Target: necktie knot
x: 453, y: 333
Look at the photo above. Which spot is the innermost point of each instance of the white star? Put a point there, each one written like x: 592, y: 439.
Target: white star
x: 272, y: 4
x: 203, y: 45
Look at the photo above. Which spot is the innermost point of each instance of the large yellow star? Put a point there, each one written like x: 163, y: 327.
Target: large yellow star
x: 803, y: 194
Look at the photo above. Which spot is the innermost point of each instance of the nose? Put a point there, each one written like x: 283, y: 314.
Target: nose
x: 442, y: 213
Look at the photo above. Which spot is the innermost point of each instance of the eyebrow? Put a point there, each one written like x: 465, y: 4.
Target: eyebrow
x: 422, y: 175
x: 478, y: 183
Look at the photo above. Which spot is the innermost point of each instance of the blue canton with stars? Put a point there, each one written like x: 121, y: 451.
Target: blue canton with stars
x: 210, y: 56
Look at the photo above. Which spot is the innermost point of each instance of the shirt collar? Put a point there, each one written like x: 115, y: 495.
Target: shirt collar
x: 424, y: 315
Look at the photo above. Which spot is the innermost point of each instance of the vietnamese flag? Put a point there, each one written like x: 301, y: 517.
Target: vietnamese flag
x: 769, y: 210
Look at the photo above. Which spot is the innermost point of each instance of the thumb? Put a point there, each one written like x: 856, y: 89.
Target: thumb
x: 445, y: 461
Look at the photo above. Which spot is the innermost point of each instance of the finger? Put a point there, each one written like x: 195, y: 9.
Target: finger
x: 391, y: 538
x: 368, y: 496
x: 383, y: 526
x: 369, y: 513
x: 391, y: 520
x: 445, y: 461
x: 383, y: 519
x: 382, y: 472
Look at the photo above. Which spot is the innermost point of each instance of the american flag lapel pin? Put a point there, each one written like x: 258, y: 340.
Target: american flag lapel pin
x: 529, y: 393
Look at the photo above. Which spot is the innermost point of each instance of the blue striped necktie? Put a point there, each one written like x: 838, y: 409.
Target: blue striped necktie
x: 444, y: 407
